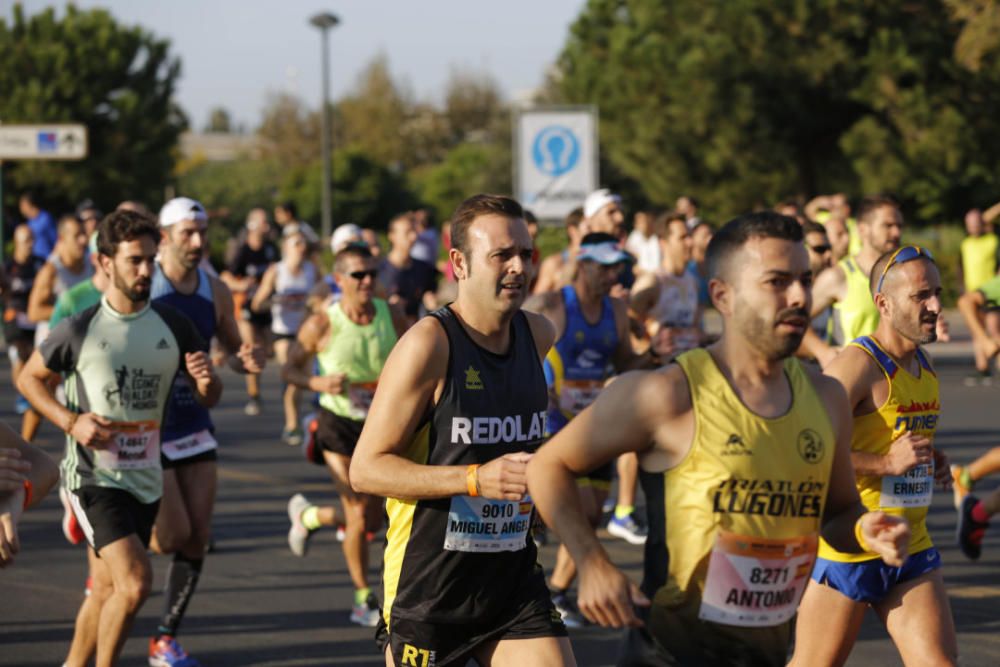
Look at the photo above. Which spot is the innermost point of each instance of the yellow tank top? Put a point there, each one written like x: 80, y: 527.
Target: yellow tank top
x: 856, y: 315
x: 743, y: 509
x: 979, y: 260
x: 912, y: 405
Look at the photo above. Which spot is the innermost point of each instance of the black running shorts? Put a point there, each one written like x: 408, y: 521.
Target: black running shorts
x: 419, y: 644
x: 107, y: 515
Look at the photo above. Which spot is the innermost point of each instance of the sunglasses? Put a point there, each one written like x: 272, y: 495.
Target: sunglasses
x: 905, y: 254
x: 361, y: 275
x: 819, y: 249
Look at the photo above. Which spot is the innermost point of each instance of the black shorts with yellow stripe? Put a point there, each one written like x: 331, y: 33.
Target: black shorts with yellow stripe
x: 423, y: 644
x: 600, y: 478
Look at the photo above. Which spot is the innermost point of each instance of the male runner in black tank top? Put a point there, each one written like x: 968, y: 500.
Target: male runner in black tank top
x: 452, y: 426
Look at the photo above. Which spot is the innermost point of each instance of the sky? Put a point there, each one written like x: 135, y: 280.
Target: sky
x: 236, y: 52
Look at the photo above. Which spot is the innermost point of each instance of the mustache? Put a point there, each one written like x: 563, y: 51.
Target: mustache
x: 792, y: 313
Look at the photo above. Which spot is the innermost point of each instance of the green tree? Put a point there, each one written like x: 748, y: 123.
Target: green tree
x: 219, y: 120
x: 365, y: 192
x: 117, y: 80
x: 742, y: 102
x: 467, y: 170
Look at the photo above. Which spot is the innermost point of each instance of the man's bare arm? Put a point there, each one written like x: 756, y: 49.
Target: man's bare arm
x: 635, y: 411
x: 265, y: 290
x: 41, y: 300
x: 888, y: 536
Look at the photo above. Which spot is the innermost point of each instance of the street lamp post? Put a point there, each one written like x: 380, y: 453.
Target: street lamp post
x: 324, y: 21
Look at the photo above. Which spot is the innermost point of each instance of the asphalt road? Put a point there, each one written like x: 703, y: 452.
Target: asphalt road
x: 257, y: 604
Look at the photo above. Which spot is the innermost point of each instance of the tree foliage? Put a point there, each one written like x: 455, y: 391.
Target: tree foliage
x: 742, y: 102
x: 117, y: 80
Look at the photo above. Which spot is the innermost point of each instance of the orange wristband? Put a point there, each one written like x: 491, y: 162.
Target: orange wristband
x: 28, y: 488
x: 472, y: 480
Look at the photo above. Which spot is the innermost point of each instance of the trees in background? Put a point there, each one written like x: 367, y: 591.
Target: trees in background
x: 744, y: 102
x: 118, y: 80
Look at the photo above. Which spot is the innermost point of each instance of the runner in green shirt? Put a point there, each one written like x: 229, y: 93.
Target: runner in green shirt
x: 119, y: 359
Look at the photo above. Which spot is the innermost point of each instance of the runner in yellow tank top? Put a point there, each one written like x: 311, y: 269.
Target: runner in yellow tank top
x: 845, y: 287
x: 893, y: 393
x: 745, y: 458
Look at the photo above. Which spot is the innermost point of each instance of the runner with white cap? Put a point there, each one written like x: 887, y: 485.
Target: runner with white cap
x: 189, y: 447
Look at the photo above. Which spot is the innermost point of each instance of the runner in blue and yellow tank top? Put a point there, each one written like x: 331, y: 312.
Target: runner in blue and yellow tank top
x: 592, y: 343
x: 745, y: 463
x: 893, y: 393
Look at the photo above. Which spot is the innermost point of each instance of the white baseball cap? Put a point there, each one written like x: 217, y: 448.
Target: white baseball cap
x: 182, y: 208
x: 343, y: 235
x: 597, y: 200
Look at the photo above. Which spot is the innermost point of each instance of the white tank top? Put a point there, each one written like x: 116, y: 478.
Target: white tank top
x: 66, y: 278
x: 288, y: 305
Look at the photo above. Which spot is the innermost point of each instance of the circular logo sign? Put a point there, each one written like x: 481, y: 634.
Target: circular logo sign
x: 810, y: 446
x: 555, y: 150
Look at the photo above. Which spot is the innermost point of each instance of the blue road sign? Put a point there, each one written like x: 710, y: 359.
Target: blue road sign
x: 555, y: 150
x: 47, y: 142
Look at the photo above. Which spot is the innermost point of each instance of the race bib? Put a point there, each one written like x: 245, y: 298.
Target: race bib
x: 755, y: 581
x: 134, y: 446
x: 578, y: 394
x: 914, y: 489
x: 190, y: 445
x: 361, y: 394
x: 481, y: 525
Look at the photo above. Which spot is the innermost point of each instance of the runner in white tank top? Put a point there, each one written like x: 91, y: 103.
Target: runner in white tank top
x: 285, y: 289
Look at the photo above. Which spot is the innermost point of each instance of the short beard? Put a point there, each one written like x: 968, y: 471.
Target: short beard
x: 761, y: 334
x: 132, y: 293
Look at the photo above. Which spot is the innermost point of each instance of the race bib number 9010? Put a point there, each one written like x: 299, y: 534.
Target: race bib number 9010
x: 481, y: 525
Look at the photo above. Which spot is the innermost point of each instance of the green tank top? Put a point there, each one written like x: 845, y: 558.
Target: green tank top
x: 856, y: 315
x: 360, y: 353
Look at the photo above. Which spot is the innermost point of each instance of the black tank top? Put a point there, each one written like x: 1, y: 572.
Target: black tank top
x: 461, y: 559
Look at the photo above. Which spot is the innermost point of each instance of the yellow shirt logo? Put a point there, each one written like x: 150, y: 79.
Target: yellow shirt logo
x: 472, y: 380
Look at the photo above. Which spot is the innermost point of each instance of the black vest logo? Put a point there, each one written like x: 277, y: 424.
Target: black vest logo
x: 472, y: 379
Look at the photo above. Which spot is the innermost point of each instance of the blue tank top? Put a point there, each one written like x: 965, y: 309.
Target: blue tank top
x: 184, y: 415
x: 577, y: 365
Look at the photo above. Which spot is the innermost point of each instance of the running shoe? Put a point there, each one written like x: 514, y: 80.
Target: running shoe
x: 366, y: 614
x: 292, y: 438
x: 21, y: 405
x: 252, y: 408
x: 969, y: 532
x: 628, y: 529
x: 88, y: 586
x: 164, y: 651
x: 298, y: 534
x: 571, y: 616
x: 959, y: 487
x: 71, y: 527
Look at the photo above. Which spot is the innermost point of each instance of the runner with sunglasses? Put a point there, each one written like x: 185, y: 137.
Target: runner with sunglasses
x: 351, y: 341
x: 893, y: 394
x: 845, y: 288
x: 820, y: 259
